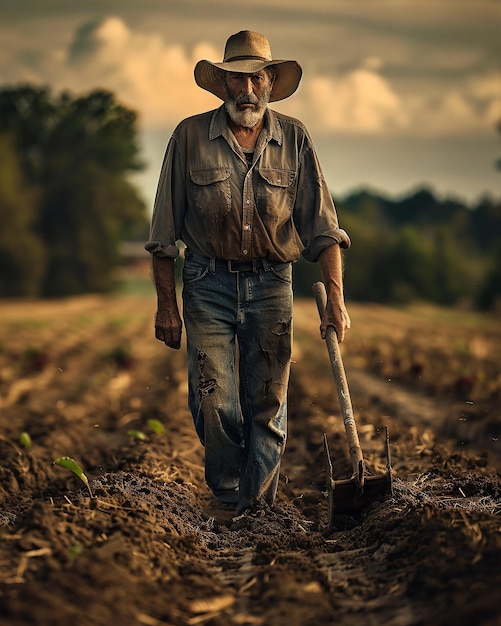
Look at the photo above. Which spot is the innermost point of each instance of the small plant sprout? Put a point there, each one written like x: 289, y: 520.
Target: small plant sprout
x: 25, y: 440
x: 156, y: 426
x: 136, y: 434
x: 69, y: 463
x: 75, y: 550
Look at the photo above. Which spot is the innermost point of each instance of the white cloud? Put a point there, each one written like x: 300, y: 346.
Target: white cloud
x: 360, y: 101
x: 474, y: 106
x: 155, y: 76
x: 363, y: 101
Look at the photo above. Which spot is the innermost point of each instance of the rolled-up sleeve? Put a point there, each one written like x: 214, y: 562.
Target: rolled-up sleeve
x: 169, y: 206
x: 315, y: 216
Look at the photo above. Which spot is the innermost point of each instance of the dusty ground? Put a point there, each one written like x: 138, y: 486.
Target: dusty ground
x: 79, y: 375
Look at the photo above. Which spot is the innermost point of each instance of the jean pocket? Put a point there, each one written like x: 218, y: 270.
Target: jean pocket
x: 194, y: 270
x: 282, y: 271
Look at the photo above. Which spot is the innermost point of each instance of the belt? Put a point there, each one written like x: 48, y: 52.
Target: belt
x: 253, y: 265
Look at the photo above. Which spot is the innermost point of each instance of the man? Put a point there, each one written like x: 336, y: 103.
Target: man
x: 242, y: 188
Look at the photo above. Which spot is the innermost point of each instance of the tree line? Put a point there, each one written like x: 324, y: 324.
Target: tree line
x: 67, y: 204
x: 419, y: 248
x: 424, y: 248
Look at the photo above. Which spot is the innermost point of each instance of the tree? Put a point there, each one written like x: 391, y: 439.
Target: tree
x: 498, y: 162
x: 489, y: 296
x: 368, y: 275
x: 411, y: 266
x: 448, y: 274
x: 78, y: 152
x: 22, y: 253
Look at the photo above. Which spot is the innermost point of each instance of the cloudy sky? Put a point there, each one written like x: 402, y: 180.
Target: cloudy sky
x: 396, y: 93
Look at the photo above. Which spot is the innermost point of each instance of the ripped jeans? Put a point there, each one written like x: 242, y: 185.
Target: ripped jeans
x: 239, y: 343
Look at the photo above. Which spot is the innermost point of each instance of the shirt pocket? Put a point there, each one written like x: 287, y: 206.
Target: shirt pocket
x: 275, y: 194
x: 209, y: 191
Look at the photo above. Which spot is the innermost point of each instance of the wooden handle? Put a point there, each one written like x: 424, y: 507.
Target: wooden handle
x: 342, y: 386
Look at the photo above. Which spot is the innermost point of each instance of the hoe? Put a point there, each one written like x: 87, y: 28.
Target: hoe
x: 353, y: 494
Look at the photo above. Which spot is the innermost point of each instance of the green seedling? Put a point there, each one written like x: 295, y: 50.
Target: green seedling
x: 25, y: 440
x: 69, y: 463
x: 136, y: 434
x: 156, y: 426
x: 75, y: 551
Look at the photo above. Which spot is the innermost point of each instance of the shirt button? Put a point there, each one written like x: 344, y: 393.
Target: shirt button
x: 247, y: 202
x: 247, y: 227
x: 245, y: 252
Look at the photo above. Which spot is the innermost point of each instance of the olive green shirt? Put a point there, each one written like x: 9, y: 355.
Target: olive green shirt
x: 211, y: 198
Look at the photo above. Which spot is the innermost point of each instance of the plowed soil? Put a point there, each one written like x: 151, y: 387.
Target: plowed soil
x: 85, y: 378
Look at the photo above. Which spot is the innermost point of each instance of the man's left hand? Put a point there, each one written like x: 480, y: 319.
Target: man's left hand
x: 335, y: 315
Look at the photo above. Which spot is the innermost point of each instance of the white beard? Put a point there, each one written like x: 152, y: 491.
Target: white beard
x: 247, y: 118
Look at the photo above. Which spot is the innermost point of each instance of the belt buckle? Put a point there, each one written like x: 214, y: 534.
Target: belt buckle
x: 242, y: 266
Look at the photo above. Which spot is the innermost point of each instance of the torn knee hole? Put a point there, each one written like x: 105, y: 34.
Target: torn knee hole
x: 206, y: 386
x: 282, y: 327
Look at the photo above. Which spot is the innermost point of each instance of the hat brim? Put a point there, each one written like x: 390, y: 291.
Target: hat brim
x: 288, y: 75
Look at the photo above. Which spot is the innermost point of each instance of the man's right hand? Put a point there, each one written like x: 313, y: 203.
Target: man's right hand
x: 168, y: 323
x: 168, y: 327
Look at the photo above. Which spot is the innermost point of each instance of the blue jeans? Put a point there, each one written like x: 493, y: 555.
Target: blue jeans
x: 239, y: 343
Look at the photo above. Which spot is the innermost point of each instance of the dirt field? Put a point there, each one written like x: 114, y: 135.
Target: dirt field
x: 78, y: 376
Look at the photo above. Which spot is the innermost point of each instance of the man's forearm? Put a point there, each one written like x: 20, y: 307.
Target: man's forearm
x: 165, y: 281
x: 331, y: 264
x: 335, y: 314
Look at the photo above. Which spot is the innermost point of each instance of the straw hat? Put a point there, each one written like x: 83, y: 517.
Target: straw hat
x: 249, y: 52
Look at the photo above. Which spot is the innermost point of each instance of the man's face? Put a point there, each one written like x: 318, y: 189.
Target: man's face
x: 247, y: 96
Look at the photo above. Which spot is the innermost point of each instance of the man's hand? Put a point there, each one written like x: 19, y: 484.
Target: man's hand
x: 335, y: 314
x: 168, y: 323
x: 168, y: 326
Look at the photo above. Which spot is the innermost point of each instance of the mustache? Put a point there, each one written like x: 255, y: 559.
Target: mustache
x: 250, y: 99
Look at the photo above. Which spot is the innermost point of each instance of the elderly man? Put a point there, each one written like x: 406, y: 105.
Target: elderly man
x: 242, y: 188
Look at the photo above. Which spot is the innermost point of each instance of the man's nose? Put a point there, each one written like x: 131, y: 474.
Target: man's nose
x: 247, y: 87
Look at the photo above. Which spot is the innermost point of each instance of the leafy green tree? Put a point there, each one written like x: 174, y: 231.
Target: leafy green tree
x: 22, y: 252
x: 362, y: 280
x: 368, y: 274
x: 411, y: 266
x: 449, y: 277
x: 485, y: 224
x: 414, y: 247
x: 78, y: 151
x: 489, y: 296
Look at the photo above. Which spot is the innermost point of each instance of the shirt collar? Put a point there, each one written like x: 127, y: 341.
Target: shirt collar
x: 219, y: 125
